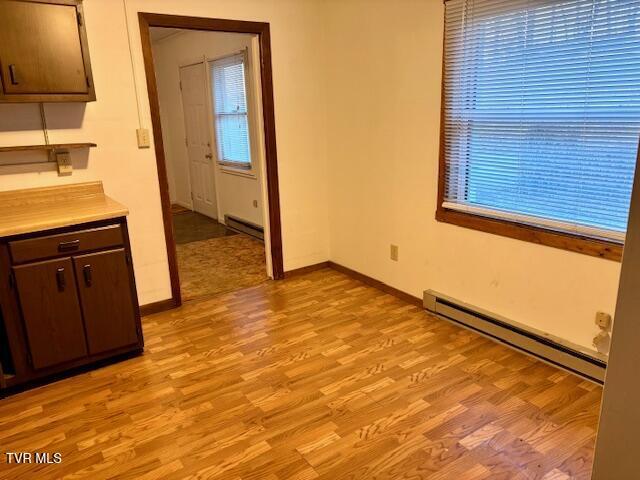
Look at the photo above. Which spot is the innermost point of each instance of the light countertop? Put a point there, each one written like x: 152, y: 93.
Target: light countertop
x: 36, y: 209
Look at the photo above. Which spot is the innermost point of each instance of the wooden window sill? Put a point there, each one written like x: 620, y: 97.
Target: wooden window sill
x: 565, y: 241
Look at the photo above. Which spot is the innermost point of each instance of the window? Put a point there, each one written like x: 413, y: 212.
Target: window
x: 230, y: 111
x: 541, y: 113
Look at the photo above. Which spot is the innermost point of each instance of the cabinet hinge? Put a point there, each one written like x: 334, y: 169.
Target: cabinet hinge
x: 180, y: 84
x: 127, y: 258
x: 79, y: 16
x: 12, y: 280
x: 88, y: 81
x: 29, y: 359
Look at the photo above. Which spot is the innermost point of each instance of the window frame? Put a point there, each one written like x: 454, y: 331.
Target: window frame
x: 239, y: 168
x: 547, y: 236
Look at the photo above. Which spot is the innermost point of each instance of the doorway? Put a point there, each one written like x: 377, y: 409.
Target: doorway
x: 220, y: 199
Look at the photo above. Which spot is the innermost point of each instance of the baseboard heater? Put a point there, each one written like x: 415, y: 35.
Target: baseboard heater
x: 558, y: 352
x: 244, y: 226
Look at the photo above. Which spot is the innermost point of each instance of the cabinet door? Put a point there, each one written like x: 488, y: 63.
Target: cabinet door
x: 40, y: 49
x: 51, y: 312
x: 106, y: 297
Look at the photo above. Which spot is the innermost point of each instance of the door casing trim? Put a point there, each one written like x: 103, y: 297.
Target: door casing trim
x: 261, y: 29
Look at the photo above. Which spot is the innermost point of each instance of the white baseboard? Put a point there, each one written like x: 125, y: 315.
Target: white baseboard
x: 548, y: 348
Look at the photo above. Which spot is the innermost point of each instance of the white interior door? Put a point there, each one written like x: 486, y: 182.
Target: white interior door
x: 201, y: 170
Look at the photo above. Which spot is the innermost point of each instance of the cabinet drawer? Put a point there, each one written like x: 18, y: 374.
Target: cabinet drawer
x: 66, y: 243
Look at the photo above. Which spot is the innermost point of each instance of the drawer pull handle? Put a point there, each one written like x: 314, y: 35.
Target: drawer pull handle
x: 13, y: 75
x: 62, y: 283
x: 68, y: 246
x: 86, y: 272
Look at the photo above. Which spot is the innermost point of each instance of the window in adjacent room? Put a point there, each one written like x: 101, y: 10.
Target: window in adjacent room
x: 230, y: 111
x: 541, y: 115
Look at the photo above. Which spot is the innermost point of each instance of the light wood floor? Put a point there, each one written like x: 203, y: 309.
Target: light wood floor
x: 318, y: 376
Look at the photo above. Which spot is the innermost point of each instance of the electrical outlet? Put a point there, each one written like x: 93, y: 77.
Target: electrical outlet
x: 603, y: 320
x: 144, y: 141
x: 394, y: 253
x: 63, y: 159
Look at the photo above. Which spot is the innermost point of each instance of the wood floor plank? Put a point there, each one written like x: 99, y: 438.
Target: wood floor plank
x: 316, y: 376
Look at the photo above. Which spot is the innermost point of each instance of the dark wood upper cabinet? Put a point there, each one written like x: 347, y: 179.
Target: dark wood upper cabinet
x: 51, y: 312
x: 106, y: 297
x: 44, y: 55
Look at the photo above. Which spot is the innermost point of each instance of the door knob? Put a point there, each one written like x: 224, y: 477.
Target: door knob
x: 209, y: 156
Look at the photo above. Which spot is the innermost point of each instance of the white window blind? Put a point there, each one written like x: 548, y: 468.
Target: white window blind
x: 230, y: 111
x: 542, y: 111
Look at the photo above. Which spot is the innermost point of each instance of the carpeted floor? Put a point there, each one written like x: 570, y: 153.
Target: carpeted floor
x: 218, y: 265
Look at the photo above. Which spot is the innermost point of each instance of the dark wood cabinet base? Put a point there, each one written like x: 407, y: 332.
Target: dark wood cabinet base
x: 68, y: 300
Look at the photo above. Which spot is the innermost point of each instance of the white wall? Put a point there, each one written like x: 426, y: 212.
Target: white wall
x: 130, y: 174
x: 235, y: 193
x: 383, y: 85
x: 357, y: 100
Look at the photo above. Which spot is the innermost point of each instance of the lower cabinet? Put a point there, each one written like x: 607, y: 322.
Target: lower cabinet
x: 51, y: 312
x: 70, y: 300
x: 106, y: 300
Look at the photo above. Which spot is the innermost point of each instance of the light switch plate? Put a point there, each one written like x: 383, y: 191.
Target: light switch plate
x: 63, y: 159
x: 144, y: 140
